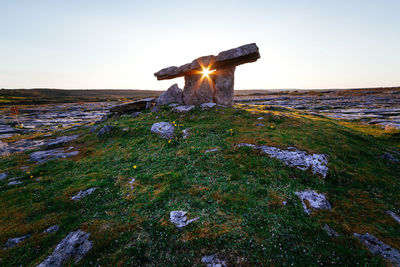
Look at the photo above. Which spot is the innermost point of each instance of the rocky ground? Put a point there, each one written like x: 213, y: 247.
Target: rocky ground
x: 375, y: 107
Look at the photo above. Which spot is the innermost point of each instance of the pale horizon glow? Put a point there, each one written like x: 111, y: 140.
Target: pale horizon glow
x: 100, y: 44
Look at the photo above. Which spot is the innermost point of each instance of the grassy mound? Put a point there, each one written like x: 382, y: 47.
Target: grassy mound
x: 237, y: 193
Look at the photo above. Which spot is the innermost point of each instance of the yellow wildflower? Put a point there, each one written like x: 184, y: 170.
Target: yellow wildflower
x: 134, y: 166
x: 31, y: 176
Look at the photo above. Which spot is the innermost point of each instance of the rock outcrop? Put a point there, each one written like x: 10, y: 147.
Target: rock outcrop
x: 211, y: 78
x: 172, y: 95
x: 12, y: 242
x: 83, y: 193
x: 179, y: 218
x: 311, y: 200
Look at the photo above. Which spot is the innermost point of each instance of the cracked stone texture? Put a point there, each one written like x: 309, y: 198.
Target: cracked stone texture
x: 295, y: 158
x: 163, y: 129
x: 224, y: 86
x: 46, y: 155
x: 377, y: 247
x: 74, y: 245
x: 173, y: 95
x: 137, y: 105
x: 179, y: 218
x: 83, y: 193
x: 315, y: 201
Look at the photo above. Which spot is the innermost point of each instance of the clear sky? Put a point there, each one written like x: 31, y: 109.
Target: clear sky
x: 120, y: 44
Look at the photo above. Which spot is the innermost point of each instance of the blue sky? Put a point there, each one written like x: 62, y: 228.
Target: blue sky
x: 120, y: 44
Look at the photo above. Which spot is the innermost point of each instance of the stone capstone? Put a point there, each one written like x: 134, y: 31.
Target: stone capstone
x: 295, y: 158
x: 74, y: 245
x: 163, y: 129
x: 137, y: 105
x: 172, y: 95
x: 311, y: 200
x: 179, y: 218
x: 377, y: 247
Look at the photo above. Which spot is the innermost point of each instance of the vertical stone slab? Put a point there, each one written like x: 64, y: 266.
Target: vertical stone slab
x: 224, y: 86
x: 198, y: 89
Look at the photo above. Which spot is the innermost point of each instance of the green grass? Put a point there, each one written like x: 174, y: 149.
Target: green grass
x: 236, y: 192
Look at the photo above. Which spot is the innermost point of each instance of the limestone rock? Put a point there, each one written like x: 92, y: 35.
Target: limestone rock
x: 330, y: 231
x: 51, y: 229
x: 389, y: 157
x: 74, y: 245
x: 163, y: 129
x: 135, y: 114
x: 295, y: 158
x: 105, y: 130
x: 205, y: 106
x: 61, y: 140
x: 314, y: 200
x: 183, y: 108
x: 394, y: 215
x: 213, y: 261
x: 46, y: 155
x: 179, y: 218
x: 83, y: 193
x: 3, y: 175
x: 172, y: 95
x: 12, y: 242
x: 224, y: 86
x: 377, y: 247
x: 137, y: 105
x: 14, y: 183
x: 198, y: 90
x: 185, y: 133
x: 211, y: 150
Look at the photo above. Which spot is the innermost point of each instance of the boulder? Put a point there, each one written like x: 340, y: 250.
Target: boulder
x: 163, y: 129
x: 213, y: 261
x: 105, y: 130
x: 137, y: 105
x: 172, y: 95
x: 12, y: 242
x: 3, y: 175
x: 377, y: 247
x: 74, y: 245
x: 314, y: 200
x: 179, y: 218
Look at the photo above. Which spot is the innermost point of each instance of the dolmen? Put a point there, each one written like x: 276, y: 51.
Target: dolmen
x: 210, y: 79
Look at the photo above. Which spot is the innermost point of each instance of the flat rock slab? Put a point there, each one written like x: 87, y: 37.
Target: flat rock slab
x: 183, y: 108
x: 163, y: 129
x: 213, y: 261
x: 206, y: 106
x: 314, y: 200
x: 74, y: 245
x: 12, y: 242
x: 83, y: 193
x: 179, y: 218
x: 295, y: 158
x: 137, y: 105
x: 46, y: 155
x: 61, y: 140
x: 377, y: 247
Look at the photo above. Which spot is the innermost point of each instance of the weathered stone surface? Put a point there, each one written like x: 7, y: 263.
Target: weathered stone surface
x: 183, y: 108
x: 232, y: 57
x: 135, y: 114
x: 206, y: 106
x: 104, y: 130
x: 51, y: 229
x: 394, y: 215
x: 389, y: 157
x: 137, y: 105
x: 314, y: 200
x: 224, y: 86
x: 213, y: 261
x: 172, y: 95
x: 61, y: 140
x: 3, y: 175
x: 211, y: 150
x: 186, y: 133
x: 377, y: 247
x: 179, y: 218
x: 46, y: 155
x: 12, y: 242
x: 74, y: 245
x: 163, y: 129
x: 295, y: 158
x: 198, y: 90
x: 83, y: 193
x: 330, y: 231
x: 14, y: 183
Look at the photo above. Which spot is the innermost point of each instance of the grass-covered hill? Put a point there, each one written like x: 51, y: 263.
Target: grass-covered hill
x: 248, y: 211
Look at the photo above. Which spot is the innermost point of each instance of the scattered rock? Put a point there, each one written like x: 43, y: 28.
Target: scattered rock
x: 105, y: 130
x: 46, y: 155
x: 51, y: 229
x: 179, y: 218
x: 260, y: 118
x: 295, y: 158
x: 74, y: 245
x: 131, y: 182
x: 3, y: 175
x: 12, y: 242
x: 61, y: 140
x: 205, y: 106
x: 184, y: 108
x: 101, y: 120
x: 83, y: 193
x: 125, y: 129
x: 260, y: 124
x: 389, y: 157
x: 137, y: 105
x: 135, y: 114
x: 14, y: 183
x: 314, y: 201
x: 173, y: 105
x: 172, y: 95
x: 93, y: 129
x: 211, y: 150
x: 213, y: 261
x: 394, y: 215
x: 185, y: 133
x: 163, y: 129
x: 377, y: 247
x: 330, y: 231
